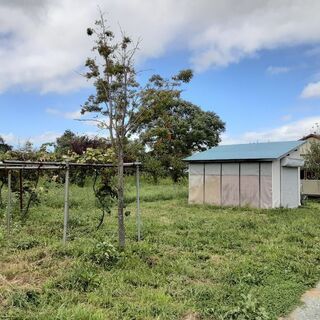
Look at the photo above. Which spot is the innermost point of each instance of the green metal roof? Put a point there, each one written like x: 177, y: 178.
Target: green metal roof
x: 250, y: 151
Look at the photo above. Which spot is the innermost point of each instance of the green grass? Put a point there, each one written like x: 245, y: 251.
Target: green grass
x: 198, y: 261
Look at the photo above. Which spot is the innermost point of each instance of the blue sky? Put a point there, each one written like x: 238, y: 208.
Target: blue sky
x: 263, y: 80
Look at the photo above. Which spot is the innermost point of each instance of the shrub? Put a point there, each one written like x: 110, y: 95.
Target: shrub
x: 26, y: 244
x: 103, y: 254
x: 247, y: 309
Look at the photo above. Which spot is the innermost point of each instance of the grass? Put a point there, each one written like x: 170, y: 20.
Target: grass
x: 195, y: 262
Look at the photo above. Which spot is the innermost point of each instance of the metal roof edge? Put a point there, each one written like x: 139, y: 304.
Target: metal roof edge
x: 293, y: 149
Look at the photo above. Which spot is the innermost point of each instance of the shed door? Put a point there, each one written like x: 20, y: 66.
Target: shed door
x: 289, y: 187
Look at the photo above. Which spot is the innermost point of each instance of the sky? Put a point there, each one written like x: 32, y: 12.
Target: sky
x: 256, y: 62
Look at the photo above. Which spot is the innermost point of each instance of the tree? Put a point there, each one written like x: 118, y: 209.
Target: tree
x: 63, y: 143
x: 118, y: 99
x: 312, y: 160
x: 4, y: 147
x: 173, y: 128
x: 116, y: 96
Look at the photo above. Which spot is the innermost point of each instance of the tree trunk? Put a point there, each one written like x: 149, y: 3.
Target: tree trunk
x: 121, y: 227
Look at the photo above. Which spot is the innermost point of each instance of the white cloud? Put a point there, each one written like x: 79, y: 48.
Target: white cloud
x: 277, y: 70
x: 286, y: 117
x: 312, y: 90
x: 291, y: 131
x: 73, y: 115
x: 95, y: 121
x: 14, y: 140
x: 43, y: 44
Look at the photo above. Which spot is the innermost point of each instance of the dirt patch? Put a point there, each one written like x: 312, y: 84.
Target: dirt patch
x: 191, y: 316
x: 23, y: 272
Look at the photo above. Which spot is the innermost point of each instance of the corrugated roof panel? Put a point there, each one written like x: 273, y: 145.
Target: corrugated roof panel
x: 250, y: 151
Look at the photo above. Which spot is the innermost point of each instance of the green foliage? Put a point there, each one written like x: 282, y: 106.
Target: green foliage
x: 173, y: 128
x: 4, y: 147
x: 248, y: 309
x: 312, y: 160
x: 26, y: 244
x: 69, y: 142
x: 103, y: 254
x: 63, y: 143
x: 153, y: 167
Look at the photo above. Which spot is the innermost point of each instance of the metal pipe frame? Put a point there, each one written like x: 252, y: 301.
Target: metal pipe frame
x: 38, y: 165
x: 18, y: 163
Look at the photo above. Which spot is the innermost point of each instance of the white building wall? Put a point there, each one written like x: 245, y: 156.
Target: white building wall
x: 276, y: 184
x: 290, y: 191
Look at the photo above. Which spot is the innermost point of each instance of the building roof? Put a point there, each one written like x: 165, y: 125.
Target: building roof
x: 311, y: 135
x: 250, y: 151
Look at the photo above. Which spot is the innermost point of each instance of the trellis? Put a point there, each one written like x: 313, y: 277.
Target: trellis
x: 17, y: 165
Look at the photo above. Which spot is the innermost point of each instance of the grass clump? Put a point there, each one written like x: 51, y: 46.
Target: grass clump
x: 82, y: 277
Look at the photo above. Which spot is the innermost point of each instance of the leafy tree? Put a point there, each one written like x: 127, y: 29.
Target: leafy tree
x: 63, y: 143
x: 81, y: 144
x: 116, y: 96
x: 173, y: 128
x: 4, y: 147
x: 312, y: 160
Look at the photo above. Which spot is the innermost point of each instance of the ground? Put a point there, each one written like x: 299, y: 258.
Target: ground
x: 194, y: 262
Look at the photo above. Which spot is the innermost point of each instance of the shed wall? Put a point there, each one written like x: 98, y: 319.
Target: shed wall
x: 290, y: 191
x: 266, y: 191
x: 249, y: 184
x: 212, y: 183
x: 231, y: 184
x: 196, y: 183
x: 230, y: 191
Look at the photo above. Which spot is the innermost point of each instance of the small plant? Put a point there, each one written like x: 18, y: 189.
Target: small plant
x: 247, y: 309
x: 27, y: 244
x: 104, y: 254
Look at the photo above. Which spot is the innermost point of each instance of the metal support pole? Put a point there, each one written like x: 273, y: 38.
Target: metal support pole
x: 138, y: 202
x: 66, y: 205
x: 21, y: 191
x: 9, y: 202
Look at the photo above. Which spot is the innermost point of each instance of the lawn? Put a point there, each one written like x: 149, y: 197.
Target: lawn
x: 194, y: 262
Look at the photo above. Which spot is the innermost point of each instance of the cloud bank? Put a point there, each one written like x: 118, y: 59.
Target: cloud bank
x: 312, y: 90
x: 43, y: 43
x: 290, y: 131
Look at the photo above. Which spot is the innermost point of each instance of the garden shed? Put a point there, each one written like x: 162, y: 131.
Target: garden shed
x: 259, y: 175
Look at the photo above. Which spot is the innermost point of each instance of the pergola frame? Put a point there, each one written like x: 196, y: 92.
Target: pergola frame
x: 17, y: 165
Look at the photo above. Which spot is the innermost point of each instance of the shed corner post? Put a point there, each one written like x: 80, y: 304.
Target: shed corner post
x: 66, y: 204
x: 138, y: 201
x: 9, y: 202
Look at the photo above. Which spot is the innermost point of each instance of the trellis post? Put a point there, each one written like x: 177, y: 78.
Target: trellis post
x: 21, y: 192
x: 66, y: 204
x: 138, y: 201
x: 9, y: 202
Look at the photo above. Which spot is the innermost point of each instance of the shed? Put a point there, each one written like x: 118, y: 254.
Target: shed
x: 259, y: 175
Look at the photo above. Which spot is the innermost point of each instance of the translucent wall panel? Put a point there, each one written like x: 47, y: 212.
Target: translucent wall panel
x: 212, y: 183
x: 196, y: 183
x: 230, y: 184
x: 249, y: 184
x: 266, y: 185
